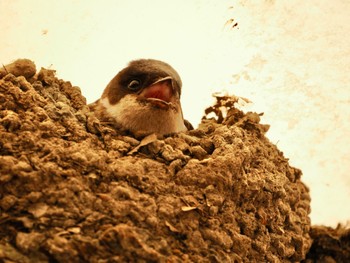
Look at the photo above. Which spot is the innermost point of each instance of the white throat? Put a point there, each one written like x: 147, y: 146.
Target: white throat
x: 138, y: 117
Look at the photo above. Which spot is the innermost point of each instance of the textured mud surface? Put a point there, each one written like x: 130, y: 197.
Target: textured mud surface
x: 75, y: 190
x: 329, y: 245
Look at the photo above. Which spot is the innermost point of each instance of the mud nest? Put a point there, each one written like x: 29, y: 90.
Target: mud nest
x: 75, y: 190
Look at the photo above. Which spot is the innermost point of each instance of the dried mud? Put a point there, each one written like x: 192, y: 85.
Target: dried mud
x: 73, y: 189
x: 329, y: 245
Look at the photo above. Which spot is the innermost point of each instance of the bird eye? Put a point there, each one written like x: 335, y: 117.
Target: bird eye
x: 134, y: 84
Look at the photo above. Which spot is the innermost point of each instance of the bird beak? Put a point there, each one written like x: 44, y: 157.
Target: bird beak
x: 162, y: 90
x: 162, y: 79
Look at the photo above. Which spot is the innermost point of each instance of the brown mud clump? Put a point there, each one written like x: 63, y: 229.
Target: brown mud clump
x: 73, y: 189
x: 329, y: 245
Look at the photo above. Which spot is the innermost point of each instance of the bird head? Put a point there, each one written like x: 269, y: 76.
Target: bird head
x: 152, y: 81
x: 144, y: 98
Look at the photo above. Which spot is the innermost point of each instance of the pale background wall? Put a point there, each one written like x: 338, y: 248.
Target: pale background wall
x: 291, y: 58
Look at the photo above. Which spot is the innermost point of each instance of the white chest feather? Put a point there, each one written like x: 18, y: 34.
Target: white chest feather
x: 137, y: 117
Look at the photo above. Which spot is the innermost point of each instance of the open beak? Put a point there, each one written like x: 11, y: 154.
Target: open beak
x: 161, y: 91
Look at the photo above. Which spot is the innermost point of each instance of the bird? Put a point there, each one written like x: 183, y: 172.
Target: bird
x: 143, y: 99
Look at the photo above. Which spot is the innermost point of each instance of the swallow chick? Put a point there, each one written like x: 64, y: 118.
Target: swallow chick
x: 143, y: 98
